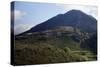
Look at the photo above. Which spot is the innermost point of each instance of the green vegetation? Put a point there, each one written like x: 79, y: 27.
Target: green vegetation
x: 42, y: 50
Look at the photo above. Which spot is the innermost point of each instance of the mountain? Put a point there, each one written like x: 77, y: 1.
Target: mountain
x: 74, y: 18
x: 68, y: 37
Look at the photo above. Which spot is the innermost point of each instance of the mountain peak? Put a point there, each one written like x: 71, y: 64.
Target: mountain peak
x: 74, y: 11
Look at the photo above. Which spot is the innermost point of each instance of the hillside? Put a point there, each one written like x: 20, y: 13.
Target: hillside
x: 58, y: 45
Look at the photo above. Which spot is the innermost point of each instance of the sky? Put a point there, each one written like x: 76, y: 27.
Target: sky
x: 29, y: 14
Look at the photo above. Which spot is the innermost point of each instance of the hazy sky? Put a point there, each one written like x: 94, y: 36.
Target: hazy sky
x: 29, y: 14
